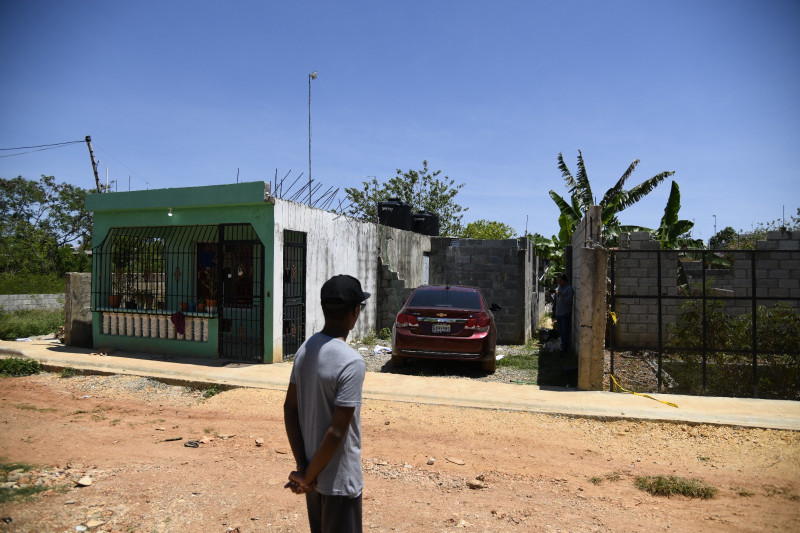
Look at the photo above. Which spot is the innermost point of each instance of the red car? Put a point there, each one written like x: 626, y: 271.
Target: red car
x: 446, y: 322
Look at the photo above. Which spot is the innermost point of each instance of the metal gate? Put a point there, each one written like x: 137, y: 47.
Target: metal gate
x: 294, y: 291
x: 241, y: 293
x: 716, y: 323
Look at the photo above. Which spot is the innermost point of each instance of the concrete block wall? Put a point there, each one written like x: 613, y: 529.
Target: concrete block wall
x: 28, y: 302
x: 777, y: 266
x: 636, y: 273
x: 341, y: 245
x: 393, y: 292
x: 538, y: 289
x: 502, y: 269
x: 777, y: 263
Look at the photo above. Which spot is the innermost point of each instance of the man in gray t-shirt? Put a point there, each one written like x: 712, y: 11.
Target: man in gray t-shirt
x: 322, y: 413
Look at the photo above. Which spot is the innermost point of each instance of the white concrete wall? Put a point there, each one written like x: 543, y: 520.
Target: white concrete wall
x: 28, y: 302
x: 340, y: 245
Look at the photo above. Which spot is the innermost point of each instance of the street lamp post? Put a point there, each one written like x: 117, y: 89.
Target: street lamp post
x: 311, y: 76
x: 715, y: 230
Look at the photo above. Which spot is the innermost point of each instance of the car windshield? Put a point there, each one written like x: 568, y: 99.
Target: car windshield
x: 446, y: 298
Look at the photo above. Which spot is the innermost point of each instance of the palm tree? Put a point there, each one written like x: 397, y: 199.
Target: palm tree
x: 615, y: 200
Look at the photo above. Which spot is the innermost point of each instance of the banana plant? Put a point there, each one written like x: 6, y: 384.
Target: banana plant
x: 615, y: 200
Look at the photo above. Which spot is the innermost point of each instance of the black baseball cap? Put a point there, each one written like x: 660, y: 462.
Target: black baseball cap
x: 342, y: 290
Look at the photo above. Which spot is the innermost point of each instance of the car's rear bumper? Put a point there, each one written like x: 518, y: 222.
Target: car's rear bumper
x: 476, y: 347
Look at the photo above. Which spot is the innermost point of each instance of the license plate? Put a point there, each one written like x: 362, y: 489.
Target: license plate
x: 440, y: 328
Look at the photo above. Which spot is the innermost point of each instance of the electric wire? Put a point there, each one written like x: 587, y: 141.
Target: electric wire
x: 38, y: 150
x: 41, y: 145
x: 123, y: 164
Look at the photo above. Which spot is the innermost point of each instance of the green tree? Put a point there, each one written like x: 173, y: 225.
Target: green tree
x: 422, y: 189
x: 40, y: 222
x: 488, y: 229
x: 723, y: 238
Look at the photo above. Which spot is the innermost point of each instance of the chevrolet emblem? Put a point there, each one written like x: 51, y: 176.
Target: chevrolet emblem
x: 441, y: 315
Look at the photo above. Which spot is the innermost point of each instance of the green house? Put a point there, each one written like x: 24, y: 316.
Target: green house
x: 228, y: 271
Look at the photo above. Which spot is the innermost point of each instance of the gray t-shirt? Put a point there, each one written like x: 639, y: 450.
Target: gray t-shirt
x: 328, y: 372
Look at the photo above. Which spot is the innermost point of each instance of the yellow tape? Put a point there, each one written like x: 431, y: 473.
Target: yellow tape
x: 623, y: 389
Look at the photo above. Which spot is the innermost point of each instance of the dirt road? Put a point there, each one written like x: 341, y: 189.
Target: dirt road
x: 528, y: 472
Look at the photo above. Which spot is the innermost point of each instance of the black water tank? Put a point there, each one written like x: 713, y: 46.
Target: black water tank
x: 395, y: 214
x: 426, y: 223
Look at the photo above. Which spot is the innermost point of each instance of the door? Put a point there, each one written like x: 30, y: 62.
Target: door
x: 241, y: 309
x: 294, y: 291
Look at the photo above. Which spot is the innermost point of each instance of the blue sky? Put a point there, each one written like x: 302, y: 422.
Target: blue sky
x: 184, y: 93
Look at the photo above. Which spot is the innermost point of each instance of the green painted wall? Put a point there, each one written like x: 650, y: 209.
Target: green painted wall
x: 211, y: 205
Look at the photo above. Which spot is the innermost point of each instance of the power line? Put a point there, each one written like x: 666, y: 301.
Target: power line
x: 41, y: 145
x: 123, y: 164
x: 39, y: 150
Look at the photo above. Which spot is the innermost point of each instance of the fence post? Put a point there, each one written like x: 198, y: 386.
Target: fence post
x: 592, y: 316
x: 78, y: 310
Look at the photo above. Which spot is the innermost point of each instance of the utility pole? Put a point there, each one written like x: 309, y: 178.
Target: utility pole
x: 311, y: 76
x: 94, y: 163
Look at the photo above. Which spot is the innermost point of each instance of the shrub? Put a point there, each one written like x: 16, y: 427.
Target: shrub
x: 671, y: 485
x: 20, y: 324
x: 213, y: 390
x: 729, y: 344
x: 68, y: 372
x: 369, y: 338
x: 385, y: 334
x: 16, y: 367
x: 31, y: 284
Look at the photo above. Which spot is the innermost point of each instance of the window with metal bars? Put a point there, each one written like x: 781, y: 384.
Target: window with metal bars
x: 156, y: 269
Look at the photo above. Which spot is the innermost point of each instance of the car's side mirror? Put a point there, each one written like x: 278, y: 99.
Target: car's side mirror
x: 495, y: 307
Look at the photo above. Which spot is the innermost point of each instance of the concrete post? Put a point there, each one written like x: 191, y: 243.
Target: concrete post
x: 592, y: 317
x: 78, y: 310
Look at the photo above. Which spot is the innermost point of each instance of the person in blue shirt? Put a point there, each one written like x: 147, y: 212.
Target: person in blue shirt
x: 563, y: 306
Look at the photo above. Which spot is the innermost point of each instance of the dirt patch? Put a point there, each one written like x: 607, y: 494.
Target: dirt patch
x: 491, y: 470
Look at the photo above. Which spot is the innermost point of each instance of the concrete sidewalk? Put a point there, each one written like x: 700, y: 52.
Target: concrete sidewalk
x: 747, y: 412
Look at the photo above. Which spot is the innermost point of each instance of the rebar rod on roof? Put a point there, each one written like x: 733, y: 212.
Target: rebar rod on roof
x: 279, y: 193
x: 301, y: 193
x: 292, y: 186
x: 313, y: 190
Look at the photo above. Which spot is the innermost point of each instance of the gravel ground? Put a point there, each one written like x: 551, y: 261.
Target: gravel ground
x: 129, y: 387
x: 379, y: 359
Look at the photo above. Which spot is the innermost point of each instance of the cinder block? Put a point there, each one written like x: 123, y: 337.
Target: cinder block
x: 789, y: 245
x: 769, y: 264
x: 778, y: 235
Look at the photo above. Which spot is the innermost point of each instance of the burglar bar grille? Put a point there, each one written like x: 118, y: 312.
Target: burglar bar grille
x: 203, y: 272
x: 294, y: 291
